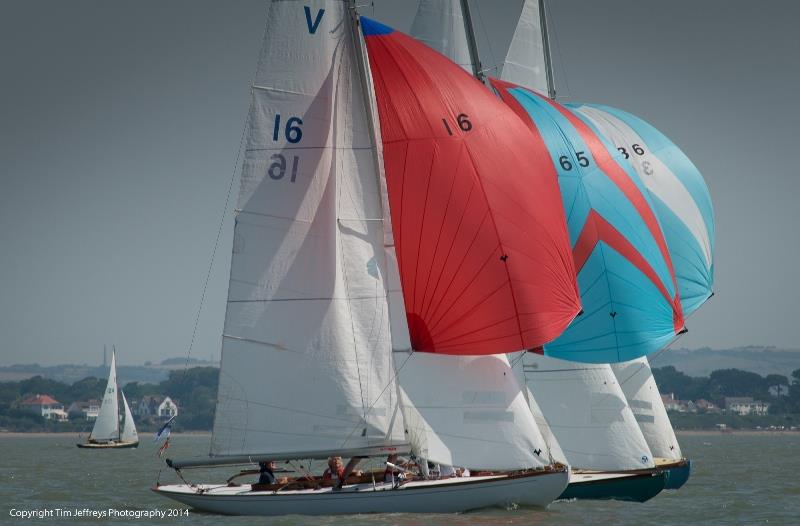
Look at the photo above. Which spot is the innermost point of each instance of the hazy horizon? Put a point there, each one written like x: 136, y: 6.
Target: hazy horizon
x: 120, y: 126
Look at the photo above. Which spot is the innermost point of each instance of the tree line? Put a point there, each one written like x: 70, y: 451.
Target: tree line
x: 730, y: 382
x: 194, y: 389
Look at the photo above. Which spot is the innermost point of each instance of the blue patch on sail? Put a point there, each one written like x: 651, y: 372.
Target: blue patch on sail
x: 372, y: 27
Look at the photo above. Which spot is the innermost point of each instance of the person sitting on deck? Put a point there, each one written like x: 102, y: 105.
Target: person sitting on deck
x: 335, y: 469
x: 349, y: 469
x: 265, y: 474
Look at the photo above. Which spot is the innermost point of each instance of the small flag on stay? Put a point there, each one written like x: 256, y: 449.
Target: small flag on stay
x: 163, y: 447
x: 165, y: 429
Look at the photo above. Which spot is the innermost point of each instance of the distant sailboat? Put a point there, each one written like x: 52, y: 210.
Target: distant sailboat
x: 385, y: 260
x: 106, y: 433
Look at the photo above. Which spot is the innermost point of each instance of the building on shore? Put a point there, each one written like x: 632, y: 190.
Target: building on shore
x: 46, y: 406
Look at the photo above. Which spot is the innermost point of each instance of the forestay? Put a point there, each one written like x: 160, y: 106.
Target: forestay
x: 588, y: 413
x: 636, y: 380
x: 306, y: 361
x: 526, y: 62
x: 439, y: 24
x: 106, y: 427
x: 468, y: 411
x: 481, y: 243
x: 679, y: 194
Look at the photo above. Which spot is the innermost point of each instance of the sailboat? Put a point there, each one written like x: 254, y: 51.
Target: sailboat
x: 678, y: 197
x: 637, y: 382
x: 593, y: 429
x: 581, y: 410
x: 385, y: 260
x: 106, y: 433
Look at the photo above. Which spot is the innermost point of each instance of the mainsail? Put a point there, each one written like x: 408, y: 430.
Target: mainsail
x: 306, y: 364
x: 129, y: 433
x: 483, y: 271
x: 625, y: 274
x: 679, y: 194
x: 526, y: 60
x: 636, y: 380
x: 106, y: 427
x: 587, y: 413
x: 439, y: 24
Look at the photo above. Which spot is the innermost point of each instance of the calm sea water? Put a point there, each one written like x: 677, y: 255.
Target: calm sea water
x: 736, y: 479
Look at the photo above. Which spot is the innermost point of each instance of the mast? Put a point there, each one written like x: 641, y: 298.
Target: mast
x: 477, y: 69
x: 548, y: 61
x: 116, y: 386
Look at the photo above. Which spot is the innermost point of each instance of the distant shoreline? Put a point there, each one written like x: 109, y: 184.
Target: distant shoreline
x: 754, y: 432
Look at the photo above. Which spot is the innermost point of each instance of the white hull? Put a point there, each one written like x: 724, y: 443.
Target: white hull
x: 428, y: 496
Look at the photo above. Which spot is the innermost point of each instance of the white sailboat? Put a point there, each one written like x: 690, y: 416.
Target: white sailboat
x: 318, y: 359
x: 636, y: 380
x: 106, y: 433
x: 584, y: 409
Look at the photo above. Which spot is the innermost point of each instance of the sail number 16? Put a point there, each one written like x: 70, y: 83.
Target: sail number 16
x: 293, y: 134
x: 463, y: 122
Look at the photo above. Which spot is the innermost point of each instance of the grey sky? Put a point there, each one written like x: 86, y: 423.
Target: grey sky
x: 120, y: 125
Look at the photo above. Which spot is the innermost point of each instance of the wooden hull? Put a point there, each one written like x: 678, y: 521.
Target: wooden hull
x: 107, y: 445
x: 536, y: 489
x: 639, y: 486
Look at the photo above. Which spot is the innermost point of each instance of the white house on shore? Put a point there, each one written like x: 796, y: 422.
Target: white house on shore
x: 745, y: 405
x: 87, y: 410
x: 46, y: 406
x: 155, y: 406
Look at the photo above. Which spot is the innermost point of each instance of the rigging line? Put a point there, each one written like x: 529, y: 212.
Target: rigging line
x: 488, y: 40
x: 518, y: 358
x: 380, y: 395
x: 216, y: 244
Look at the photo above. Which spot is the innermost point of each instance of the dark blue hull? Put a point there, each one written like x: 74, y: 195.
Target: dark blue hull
x: 677, y: 475
x: 636, y: 488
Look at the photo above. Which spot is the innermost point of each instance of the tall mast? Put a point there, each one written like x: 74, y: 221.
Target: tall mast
x: 548, y: 63
x: 477, y: 69
x: 116, y: 386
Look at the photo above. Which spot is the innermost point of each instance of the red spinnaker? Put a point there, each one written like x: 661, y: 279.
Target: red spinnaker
x: 481, y: 240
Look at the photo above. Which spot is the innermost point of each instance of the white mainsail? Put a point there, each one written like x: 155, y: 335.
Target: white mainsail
x: 440, y: 25
x: 587, y: 413
x: 129, y: 433
x: 636, y: 380
x: 106, y: 427
x: 526, y: 60
x: 306, y: 363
